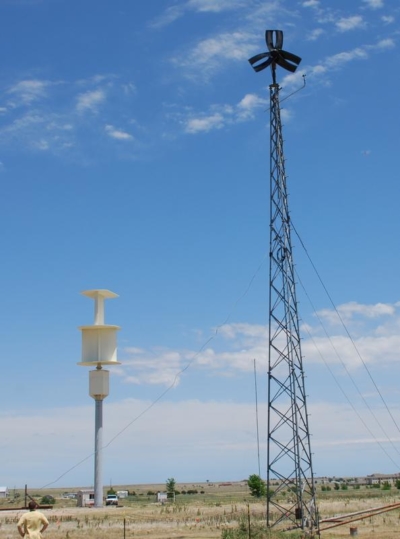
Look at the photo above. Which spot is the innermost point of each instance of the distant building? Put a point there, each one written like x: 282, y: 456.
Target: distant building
x: 379, y: 479
x: 85, y: 498
x: 3, y: 492
x: 162, y: 497
x: 122, y: 493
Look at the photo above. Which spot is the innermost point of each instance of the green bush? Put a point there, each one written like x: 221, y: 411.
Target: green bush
x: 47, y: 500
x: 256, y: 486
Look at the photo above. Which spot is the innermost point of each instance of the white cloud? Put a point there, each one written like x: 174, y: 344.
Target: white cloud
x: 38, y: 131
x: 129, y: 88
x: 374, y: 4
x: 375, y: 328
x: 249, y: 104
x: 386, y: 44
x: 337, y: 60
x: 350, y: 23
x: 387, y: 19
x: 26, y: 92
x: 41, y: 144
x: 286, y: 115
x: 117, y: 133
x: 310, y: 3
x: 213, y: 53
x: 215, y: 6
x: 41, y: 445
x: 204, y: 124
x: 172, y: 13
x: 221, y: 115
x: 315, y: 34
x: 348, y: 311
x: 90, y: 101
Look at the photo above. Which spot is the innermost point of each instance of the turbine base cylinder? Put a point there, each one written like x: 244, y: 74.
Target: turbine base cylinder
x: 99, y: 384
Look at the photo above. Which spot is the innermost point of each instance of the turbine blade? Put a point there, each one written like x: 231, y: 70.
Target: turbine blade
x: 269, y: 39
x: 262, y: 66
x: 291, y: 57
x: 259, y: 57
x: 286, y: 65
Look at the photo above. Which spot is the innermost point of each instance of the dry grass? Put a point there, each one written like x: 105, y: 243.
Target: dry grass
x: 197, y: 517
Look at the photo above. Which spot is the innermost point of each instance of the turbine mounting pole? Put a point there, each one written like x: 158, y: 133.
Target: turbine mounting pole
x: 289, y: 461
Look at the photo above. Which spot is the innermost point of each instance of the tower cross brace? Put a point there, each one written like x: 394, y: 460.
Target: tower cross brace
x: 289, y: 458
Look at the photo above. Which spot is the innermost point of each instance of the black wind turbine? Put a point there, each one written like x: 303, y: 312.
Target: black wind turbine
x: 289, y: 457
x: 275, y: 55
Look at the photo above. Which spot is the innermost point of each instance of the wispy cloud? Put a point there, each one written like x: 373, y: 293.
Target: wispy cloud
x: 50, y: 116
x: 311, y: 3
x: 387, y: 19
x: 172, y: 13
x: 90, y: 101
x: 210, y: 54
x: 315, y: 34
x: 376, y: 330
x: 38, y: 131
x: 214, y: 6
x: 26, y: 92
x: 386, y: 44
x: 345, y: 24
x: 341, y: 58
x: 374, y: 4
x: 117, y: 133
x: 221, y: 115
x: 204, y: 124
x: 349, y: 311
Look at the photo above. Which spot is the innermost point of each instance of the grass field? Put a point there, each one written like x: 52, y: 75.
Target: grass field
x: 222, y: 506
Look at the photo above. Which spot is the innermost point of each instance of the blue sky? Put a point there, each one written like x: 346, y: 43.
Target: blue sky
x: 134, y: 156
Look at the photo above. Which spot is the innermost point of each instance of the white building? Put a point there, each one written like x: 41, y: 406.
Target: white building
x: 85, y: 498
x: 162, y: 497
x: 3, y: 492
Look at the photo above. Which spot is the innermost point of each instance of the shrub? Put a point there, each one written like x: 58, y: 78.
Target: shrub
x: 47, y: 500
x: 256, y: 486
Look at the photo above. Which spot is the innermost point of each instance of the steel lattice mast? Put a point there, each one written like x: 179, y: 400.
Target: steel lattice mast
x: 290, y: 481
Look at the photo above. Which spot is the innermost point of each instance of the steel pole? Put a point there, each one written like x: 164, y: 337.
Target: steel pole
x: 98, y: 457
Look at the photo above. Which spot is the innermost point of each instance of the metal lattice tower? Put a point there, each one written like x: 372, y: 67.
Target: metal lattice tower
x: 291, y: 490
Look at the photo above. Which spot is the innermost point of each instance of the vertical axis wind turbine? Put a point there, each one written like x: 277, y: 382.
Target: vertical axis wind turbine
x: 99, y: 347
x: 288, y: 452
